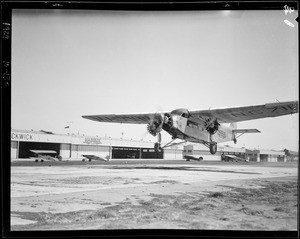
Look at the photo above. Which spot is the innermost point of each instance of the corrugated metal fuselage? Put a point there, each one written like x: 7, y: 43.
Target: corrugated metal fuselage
x: 186, y: 129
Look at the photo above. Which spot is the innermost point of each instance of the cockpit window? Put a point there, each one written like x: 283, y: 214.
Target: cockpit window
x: 181, y: 112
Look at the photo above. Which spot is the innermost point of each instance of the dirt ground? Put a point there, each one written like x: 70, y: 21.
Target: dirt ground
x: 184, y: 196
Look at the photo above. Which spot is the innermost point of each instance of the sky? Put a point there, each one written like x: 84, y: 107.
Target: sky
x: 66, y: 64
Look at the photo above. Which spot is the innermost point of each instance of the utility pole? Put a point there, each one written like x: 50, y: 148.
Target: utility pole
x: 69, y: 124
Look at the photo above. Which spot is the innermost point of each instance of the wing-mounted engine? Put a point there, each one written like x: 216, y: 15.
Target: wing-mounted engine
x: 212, y: 126
x: 155, y: 126
x: 158, y: 122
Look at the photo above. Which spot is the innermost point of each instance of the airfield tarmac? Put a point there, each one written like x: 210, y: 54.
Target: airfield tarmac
x: 153, y: 194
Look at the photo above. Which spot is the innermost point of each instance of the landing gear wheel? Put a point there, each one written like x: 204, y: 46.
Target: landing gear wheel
x: 157, y: 148
x: 213, y: 148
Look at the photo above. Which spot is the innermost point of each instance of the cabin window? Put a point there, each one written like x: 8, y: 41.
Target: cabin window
x: 192, y: 124
x: 184, y: 115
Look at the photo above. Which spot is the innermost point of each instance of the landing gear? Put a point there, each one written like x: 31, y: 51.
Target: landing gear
x: 157, y: 147
x: 213, y: 148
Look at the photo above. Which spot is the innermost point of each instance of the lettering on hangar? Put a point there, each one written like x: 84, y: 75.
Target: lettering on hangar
x: 92, y: 141
x: 21, y: 136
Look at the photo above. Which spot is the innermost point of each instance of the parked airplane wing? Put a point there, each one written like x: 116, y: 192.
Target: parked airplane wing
x: 142, y: 118
x: 236, y: 114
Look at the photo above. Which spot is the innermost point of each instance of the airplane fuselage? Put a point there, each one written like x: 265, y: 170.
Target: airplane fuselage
x: 186, y: 129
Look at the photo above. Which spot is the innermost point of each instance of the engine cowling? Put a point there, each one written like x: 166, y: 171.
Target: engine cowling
x: 155, y: 125
x: 157, y: 122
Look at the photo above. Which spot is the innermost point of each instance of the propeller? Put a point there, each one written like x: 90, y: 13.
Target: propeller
x: 155, y: 125
x: 156, y: 122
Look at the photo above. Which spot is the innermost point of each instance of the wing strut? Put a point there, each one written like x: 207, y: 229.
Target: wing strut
x: 172, y: 144
x: 243, y: 131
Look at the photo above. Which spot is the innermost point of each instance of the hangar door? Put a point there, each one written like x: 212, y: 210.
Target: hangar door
x: 136, y: 153
x: 125, y: 152
x: 25, y: 147
x: 148, y: 153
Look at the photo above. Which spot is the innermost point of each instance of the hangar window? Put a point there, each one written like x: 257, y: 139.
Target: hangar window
x: 192, y: 124
x: 13, y: 144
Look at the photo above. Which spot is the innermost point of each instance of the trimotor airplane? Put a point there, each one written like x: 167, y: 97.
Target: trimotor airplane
x: 201, y: 126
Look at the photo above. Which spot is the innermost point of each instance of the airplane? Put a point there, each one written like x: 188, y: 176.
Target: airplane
x: 41, y: 155
x: 91, y: 157
x: 201, y: 126
x: 233, y: 158
x: 190, y: 157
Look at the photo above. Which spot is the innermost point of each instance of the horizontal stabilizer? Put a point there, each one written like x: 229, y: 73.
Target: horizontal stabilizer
x: 242, y: 131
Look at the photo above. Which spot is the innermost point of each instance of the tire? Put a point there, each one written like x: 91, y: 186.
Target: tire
x: 213, y: 148
x: 157, y: 148
x: 201, y: 158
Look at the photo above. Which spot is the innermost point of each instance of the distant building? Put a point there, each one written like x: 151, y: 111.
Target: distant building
x: 291, y: 155
x: 74, y: 146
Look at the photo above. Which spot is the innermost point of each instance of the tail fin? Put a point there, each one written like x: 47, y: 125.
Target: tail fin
x: 233, y: 125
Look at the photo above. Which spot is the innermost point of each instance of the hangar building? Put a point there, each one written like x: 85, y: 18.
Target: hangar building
x: 252, y: 155
x: 74, y: 146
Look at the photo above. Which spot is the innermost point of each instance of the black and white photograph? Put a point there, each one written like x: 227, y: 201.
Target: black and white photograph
x: 154, y: 119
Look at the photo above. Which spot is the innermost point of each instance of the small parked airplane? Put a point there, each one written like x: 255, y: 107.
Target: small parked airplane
x: 91, y: 157
x: 232, y: 158
x: 49, y: 155
x: 201, y: 126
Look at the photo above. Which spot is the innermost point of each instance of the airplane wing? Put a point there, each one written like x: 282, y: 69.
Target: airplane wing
x: 142, y: 118
x: 236, y: 114
x: 223, y: 115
